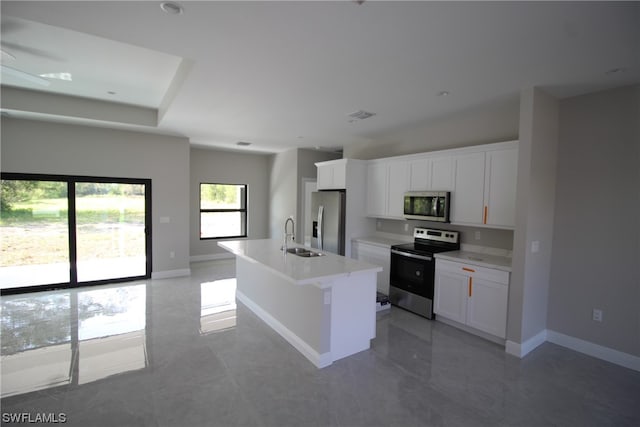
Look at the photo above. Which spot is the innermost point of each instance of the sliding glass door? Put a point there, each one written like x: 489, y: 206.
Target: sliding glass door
x: 34, y: 233
x: 110, y: 230
x: 60, y: 231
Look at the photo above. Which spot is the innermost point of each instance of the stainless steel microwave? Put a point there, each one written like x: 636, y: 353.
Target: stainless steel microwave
x: 427, y: 205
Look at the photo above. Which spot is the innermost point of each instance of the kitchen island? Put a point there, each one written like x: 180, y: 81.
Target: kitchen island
x: 325, y: 306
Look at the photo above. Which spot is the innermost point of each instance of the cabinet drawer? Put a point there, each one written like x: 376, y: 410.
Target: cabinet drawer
x: 486, y: 273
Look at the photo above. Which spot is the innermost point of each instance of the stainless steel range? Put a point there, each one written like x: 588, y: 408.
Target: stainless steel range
x: 413, y: 269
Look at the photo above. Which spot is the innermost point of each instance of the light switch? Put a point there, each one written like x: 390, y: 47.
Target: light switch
x: 535, y: 246
x: 165, y: 220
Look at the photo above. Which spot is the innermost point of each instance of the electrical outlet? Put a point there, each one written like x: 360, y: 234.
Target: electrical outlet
x: 406, y: 227
x: 172, y: 254
x: 477, y: 235
x: 378, y: 225
x: 597, y: 315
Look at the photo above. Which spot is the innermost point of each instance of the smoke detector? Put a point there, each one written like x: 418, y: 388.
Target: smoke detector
x: 361, y: 115
x: 171, y: 8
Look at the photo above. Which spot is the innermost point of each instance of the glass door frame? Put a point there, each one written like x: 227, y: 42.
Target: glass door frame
x: 71, y: 181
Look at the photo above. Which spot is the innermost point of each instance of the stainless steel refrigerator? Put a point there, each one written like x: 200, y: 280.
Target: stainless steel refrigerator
x: 327, y: 214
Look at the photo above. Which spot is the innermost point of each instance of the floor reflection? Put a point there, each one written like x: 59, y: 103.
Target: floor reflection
x: 217, y: 305
x: 72, y: 337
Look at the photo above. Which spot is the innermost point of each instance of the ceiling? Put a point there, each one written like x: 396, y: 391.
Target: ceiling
x: 287, y: 74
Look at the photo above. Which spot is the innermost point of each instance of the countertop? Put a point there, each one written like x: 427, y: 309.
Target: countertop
x: 477, y: 258
x: 298, y: 270
x: 385, y: 241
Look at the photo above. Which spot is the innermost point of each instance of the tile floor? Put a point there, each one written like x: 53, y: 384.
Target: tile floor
x: 178, y: 352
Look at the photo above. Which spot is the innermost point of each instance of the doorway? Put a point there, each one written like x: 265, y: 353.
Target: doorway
x: 65, y: 231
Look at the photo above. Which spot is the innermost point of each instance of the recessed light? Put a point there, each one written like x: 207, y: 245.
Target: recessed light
x: 171, y: 8
x: 443, y: 93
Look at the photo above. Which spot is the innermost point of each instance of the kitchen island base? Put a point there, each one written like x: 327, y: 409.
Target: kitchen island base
x: 325, y: 321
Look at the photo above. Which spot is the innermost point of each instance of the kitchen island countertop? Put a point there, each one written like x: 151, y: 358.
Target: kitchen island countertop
x: 295, y: 269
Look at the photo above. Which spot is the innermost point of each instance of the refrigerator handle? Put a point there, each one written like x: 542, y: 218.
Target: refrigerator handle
x: 320, y: 221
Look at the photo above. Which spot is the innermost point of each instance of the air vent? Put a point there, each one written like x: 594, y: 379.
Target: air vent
x: 361, y: 115
x: 243, y: 143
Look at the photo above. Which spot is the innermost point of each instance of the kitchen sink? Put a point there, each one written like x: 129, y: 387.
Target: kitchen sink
x: 303, y: 252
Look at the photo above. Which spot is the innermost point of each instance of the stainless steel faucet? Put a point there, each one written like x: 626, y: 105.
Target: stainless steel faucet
x: 286, y: 235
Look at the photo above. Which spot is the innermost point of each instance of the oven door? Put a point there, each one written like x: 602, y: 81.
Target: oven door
x: 412, y: 273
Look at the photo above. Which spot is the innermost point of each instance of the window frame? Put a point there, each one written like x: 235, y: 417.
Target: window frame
x: 244, y: 210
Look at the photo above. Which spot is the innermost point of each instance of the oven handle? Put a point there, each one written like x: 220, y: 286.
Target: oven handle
x: 422, y: 257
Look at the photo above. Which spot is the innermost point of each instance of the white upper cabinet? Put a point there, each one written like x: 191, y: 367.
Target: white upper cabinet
x: 485, y: 186
x: 398, y: 185
x: 501, y: 179
x: 377, y: 188
x: 467, y: 200
x: 442, y: 173
x: 387, y: 181
x: 431, y: 173
x: 482, y: 180
x: 332, y: 175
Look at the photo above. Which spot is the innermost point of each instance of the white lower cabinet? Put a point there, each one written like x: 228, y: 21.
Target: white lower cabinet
x: 377, y: 255
x: 472, y: 295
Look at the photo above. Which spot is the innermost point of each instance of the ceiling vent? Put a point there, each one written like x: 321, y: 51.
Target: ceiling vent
x: 361, y: 115
x: 243, y: 143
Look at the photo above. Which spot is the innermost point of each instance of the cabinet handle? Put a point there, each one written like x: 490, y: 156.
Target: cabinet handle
x: 468, y: 269
x: 486, y: 209
x: 470, y: 286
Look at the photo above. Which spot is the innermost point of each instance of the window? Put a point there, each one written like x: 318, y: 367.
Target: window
x: 223, y: 211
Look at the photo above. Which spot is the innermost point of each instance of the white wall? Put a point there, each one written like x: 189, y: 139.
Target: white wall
x: 52, y: 148
x: 283, y: 191
x: 287, y: 171
x: 596, y: 242
x: 226, y: 167
x: 529, y: 286
x: 493, y: 122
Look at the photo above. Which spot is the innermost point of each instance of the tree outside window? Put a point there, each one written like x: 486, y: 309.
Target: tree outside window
x: 223, y: 211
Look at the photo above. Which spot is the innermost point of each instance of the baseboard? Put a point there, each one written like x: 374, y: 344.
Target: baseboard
x: 522, y: 349
x: 319, y: 360
x: 211, y: 257
x: 168, y: 274
x: 600, y: 352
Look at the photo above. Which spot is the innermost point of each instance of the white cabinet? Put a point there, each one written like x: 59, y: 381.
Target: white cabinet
x: 501, y: 179
x: 332, y: 175
x: 485, y: 187
x: 482, y: 181
x: 398, y: 185
x: 467, y: 200
x: 472, y: 295
x: 377, y: 255
x: 431, y: 173
x: 387, y: 181
x: 376, y: 189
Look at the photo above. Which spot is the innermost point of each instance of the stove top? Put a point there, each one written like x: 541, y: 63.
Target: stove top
x: 431, y: 241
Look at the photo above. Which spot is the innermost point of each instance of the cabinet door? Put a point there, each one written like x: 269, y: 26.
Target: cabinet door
x: 379, y: 256
x: 487, y: 307
x: 467, y: 205
x: 398, y: 183
x: 376, y: 189
x: 450, y: 295
x: 420, y: 175
x: 500, y: 187
x: 340, y: 176
x: 442, y: 173
x: 325, y: 177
